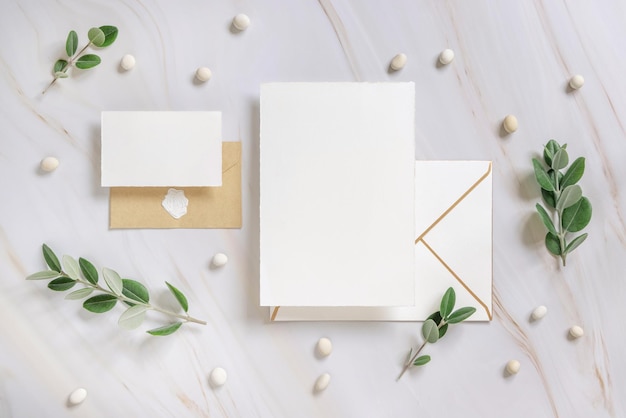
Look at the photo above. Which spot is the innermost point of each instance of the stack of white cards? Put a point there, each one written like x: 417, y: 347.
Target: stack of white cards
x: 351, y: 226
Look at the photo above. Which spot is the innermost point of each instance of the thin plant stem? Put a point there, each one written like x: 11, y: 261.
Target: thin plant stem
x: 409, y: 363
x: 69, y: 64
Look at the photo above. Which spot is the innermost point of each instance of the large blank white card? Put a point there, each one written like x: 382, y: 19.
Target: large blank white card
x: 337, y: 194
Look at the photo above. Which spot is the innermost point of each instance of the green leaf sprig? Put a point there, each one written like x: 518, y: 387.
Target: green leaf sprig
x: 563, y: 196
x: 100, y: 37
x: 130, y: 292
x: 436, y: 326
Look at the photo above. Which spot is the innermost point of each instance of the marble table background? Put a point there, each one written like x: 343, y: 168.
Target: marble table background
x: 511, y: 57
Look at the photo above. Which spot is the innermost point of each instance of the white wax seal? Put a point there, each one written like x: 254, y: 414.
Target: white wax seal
x: 512, y: 367
x: 218, y: 376
x: 77, y: 397
x: 510, y: 123
x: 175, y: 203
x: 324, y: 347
x: 127, y: 62
x: 49, y: 164
x: 322, y: 382
x: 398, y: 62
x: 203, y: 74
x: 241, y: 21
x: 576, y: 331
x: 577, y: 81
x: 539, y: 312
x: 219, y: 260
x: 446, y: 56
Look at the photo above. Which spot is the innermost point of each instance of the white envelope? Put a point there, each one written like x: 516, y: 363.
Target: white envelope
x: 453, y: 247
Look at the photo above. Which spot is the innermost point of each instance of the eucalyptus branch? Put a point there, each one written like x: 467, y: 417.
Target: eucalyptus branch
x: 128, y: 291
x: 99, y: 37
x: 435, y: 327
x: 561, y: 193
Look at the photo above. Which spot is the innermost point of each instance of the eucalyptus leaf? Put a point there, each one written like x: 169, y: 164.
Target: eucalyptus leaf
x: 89, y: 271
x: 575, y: 243
x: 100, y: 303
x: 87, y: 61
x: 51, y: 259
x: 569, y: 196
x: 549, y: 150
x: 59, y: 66
x: 61, y: 284
x: 113, y: 280
x: 44, y: 275
x: 436, y: 316
x: 549, y: 198
x: 71, y: 44
x: 447, y: 302
x: 542, y: 177
x: 552, y: 243
x: 430, y: 331
x: 421, y: 360
x: 560, y: 159
x: 133, y: 317
x: 574, y: 173
x: 182, y: 300
x: 96, y: 36
x: 545, y: 218
x: 461, y: 314
x: 110, y: 35
x: 71, y: 267
x: 80, y: 293
x: 134, y: 290
x: 165, y: 330
x: 61, y: 74
x: 577, y: 216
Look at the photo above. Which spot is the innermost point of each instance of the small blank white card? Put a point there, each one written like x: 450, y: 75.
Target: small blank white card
x: 161, y: 149
x: 337, y: 194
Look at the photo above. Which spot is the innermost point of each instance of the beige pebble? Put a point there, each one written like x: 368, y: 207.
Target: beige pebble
x: 576, y: 331
x: 218, y: 376
x: 512, y: 367
x: 219, y: 260
x: 539, y: 312
x: 398, y: 62
x: 203, y: 74
x: 241, y: 21
x: 446, y: 56
x: 577, y: 81
x: 510, y: 124
x: 78, y: 396
x: 49, y: 164
x: 127, y: 62
x: 322, y: 382
x: 324, y: 347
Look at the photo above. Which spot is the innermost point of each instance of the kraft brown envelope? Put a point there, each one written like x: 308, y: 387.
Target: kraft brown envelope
x: 209, y: 207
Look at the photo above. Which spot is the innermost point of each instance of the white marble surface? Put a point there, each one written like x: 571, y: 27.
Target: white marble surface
x: 511, y: 57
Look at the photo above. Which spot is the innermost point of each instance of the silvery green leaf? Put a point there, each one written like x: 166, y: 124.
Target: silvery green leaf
x: 87, y: 61
x: 430, y: 331
x: 80, y: 293
x: 113, y: 280
x: 110, y: 35
x: 134, y: 290
x: 574, y: 172
x: 569, y: 196
x: 421, y: 360
x: 44, y: 275
x: 59, y: 66
x: 89, y: 271
x: 447, y: 302
x: 182, y: 300
x: 461, y: 314
x: 61, y: 74
x: 100, y: 303
x: 96, y: 36
x: 71, y: 267
x: 545, y: 218
x: 560, y: 159
x: 51, y: 259
x: 577, y: 216
x: 542, y: 177
x: 436, y: 316
x: 132, y: 317
x: 61, y: 284
x: 549, y: 150
x: 71, y: 44
x: 575, y: 243
x: 165, y: 330
x: 553, y: 244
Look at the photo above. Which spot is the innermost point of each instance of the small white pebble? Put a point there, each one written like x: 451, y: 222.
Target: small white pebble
x: 78, y: 396
x: 218, y: 376
x: 241, y: 21
x: 446, y: 56
x: 127, y: 62
x: 539, y: 312
x: 324, y: 347
x: 203, y: 74
x: 219, y: 260
x: 512, y: 367
x: 576, y: 331
x: 577, y: 81
x: 398, y: 62
x: 510, y: 124
x: 322, y: 382
x: 49, y: 164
